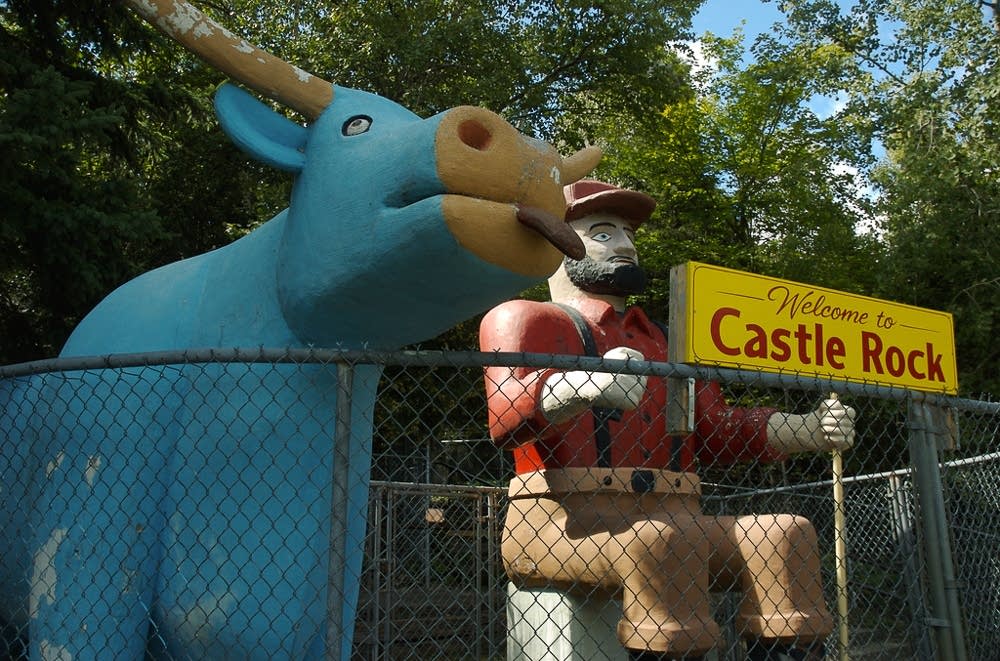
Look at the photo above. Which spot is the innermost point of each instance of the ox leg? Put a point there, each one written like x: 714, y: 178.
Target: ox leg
x: 96, y: 521
x: 93, y: 559
x: 19, y: 489
x: 248, y: 563
x: 364, y: 385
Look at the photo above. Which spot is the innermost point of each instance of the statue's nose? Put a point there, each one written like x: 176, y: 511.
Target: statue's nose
x: 474, y: 133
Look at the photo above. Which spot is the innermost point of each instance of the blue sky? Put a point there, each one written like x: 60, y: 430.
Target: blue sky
x: 722, y: 16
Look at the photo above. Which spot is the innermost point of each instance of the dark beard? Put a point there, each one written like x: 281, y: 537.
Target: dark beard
x: 609, y: 278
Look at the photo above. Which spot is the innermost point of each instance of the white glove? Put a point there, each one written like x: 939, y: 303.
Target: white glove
x: 829, y: 427
x: 568, y: 394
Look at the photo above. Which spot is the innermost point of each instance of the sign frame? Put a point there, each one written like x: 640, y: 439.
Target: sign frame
x: 727, y: 318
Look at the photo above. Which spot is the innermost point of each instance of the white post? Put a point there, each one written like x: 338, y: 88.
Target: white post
x: 840, y: 550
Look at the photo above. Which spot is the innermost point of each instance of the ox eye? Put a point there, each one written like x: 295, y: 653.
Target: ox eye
x: 357, y: 125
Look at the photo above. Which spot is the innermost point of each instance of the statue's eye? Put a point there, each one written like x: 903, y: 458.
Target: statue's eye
x: 602, y: 237
x: 357, y: 125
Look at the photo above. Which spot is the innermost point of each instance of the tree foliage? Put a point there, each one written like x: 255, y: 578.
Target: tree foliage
x: 529, y: 60
x: 856, y: 148
x: 69, y: 227
x: 747, y: 174
x: 113, y: 157
x: 925, y: 78
x: 103, y: 141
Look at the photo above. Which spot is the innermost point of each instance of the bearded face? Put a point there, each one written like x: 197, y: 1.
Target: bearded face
x: 611, y: 266
x: 614, y: 278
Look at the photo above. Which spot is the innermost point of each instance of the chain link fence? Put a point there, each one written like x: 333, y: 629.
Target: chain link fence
x: 219, y: 537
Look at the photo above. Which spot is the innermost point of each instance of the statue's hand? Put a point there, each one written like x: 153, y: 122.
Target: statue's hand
x: 568, y: 394
x: 829, y: 427
x: 836, y: 424
x: 625, y: 390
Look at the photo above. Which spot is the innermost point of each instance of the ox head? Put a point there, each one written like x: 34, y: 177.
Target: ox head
x: 399, y: 226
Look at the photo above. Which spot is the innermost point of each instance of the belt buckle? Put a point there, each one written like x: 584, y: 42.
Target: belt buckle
x: 643, y: 481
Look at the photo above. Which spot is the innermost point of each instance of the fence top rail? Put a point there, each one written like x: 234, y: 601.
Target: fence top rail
x: 868, y: 477
x: 429, y: 358
x: 433, y: 489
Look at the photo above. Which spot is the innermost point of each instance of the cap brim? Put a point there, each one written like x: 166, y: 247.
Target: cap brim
x: 633, y: 206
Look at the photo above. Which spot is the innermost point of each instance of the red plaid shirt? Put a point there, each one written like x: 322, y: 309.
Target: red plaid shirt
x: 723, y: 434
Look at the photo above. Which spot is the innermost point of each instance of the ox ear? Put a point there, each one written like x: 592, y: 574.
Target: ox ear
x: 261, y: 132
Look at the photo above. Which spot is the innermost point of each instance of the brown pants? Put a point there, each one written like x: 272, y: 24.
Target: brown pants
x: 663, y: 556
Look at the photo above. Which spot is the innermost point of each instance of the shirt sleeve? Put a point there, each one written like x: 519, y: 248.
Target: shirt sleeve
x: 513, y: 394
x: 730, y: 434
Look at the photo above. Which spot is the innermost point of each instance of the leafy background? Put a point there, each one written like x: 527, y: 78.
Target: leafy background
x: 111, y: 154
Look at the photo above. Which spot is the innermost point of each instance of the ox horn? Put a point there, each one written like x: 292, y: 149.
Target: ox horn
x: 237, y: 58
x: 577, y: 166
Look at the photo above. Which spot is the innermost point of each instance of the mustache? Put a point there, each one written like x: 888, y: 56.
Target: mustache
x: 619, y: 276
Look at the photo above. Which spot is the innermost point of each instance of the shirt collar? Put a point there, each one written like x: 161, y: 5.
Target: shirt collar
x: 601, y: 312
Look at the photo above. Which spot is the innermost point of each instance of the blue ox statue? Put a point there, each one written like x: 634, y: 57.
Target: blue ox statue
x: 191, y: 506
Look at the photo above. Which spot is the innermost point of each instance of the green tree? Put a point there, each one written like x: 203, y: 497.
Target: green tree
x: 529, y: 60
x: 69, y: 228
x: 747, y: 174
x: 927, y: 80
x: 112, y: 155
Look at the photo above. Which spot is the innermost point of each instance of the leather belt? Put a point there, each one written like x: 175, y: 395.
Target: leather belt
x: 602, y: 480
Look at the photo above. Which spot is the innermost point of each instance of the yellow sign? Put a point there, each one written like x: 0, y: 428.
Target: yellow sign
x: 730, y: 318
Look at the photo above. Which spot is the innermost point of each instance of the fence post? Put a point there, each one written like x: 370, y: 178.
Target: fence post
x: 901, y: 503
x: 946, y: 617
x: 338, y: 514
x: 495, y: 586
x: 840, y: 553
x: 379, y: 565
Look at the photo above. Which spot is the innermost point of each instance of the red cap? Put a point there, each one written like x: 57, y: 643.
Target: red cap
x: 589, y: 196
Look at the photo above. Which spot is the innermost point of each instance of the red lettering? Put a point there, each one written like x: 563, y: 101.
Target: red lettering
x: 835, y: 350
x: 897, y: 362
x: 803, y: 336
x: 819, y: 344
x: 779, y: 347
x: 756, y: 346
x: 787, y: 299
x: 806, y: 343
x: 717, y: 318
x: 894, y: 361
x: 934, y: 371
x: 911, y: 364
x: 871, y: 351
x: 821, y: 305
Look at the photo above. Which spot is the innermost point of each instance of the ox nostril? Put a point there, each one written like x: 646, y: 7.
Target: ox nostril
x: 472, y: 133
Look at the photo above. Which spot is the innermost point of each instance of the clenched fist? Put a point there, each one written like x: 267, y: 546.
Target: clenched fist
x: 567, y: 394
x: 829, y: 427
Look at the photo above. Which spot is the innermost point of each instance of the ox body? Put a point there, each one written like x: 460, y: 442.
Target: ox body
x: 187, y: 510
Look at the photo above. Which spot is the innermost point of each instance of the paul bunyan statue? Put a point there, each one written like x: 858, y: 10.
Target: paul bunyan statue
x: 604, y: 500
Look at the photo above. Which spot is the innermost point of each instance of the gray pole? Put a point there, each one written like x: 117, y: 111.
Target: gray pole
x: 946, y: 618
x: 902, y: 522
x: 338, y: 514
